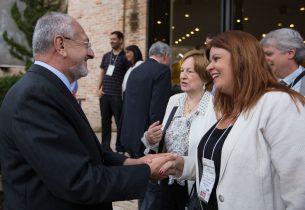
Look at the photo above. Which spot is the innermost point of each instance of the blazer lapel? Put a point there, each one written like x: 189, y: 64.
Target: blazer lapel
x: 59, y: 84
x: 62, y: 88
x: 231, y: 142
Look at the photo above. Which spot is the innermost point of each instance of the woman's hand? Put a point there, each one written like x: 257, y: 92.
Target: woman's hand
x: 173, y: 167
x: 154, y: 133
x: 155, y: 162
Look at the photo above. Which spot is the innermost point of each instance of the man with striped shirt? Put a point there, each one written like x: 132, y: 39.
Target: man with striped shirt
x: 113, y: 68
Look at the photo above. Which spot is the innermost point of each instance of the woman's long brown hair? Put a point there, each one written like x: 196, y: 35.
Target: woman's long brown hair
x: 252, y: 75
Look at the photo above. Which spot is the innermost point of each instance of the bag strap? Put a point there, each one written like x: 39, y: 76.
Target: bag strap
x: 169, y: 120
x: 297, y: 79
x: 193, y: 189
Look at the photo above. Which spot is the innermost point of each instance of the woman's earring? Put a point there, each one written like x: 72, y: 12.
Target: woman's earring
x: 203, y: 87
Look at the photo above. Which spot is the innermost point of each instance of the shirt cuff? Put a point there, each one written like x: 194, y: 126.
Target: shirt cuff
x: 147, y: 145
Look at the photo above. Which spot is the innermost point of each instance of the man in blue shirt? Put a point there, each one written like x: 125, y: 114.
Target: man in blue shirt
x: 285, y: 52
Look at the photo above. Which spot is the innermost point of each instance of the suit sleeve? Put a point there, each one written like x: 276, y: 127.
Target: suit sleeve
x: 285, y: 133
x: 160, y: 95
x: 50, y: 145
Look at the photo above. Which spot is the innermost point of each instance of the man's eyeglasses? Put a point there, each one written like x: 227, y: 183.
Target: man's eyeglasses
x: 87, y: 44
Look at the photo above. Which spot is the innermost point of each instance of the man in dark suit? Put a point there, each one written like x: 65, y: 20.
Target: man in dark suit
x: 285, y: 53
x: 146, y: 96
x: 50, y: 156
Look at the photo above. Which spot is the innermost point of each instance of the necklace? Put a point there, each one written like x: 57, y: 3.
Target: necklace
x: 189, y: 107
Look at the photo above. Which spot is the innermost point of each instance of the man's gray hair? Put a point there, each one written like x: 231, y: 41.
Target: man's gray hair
x: 286, y: 39
x: 160, y: 49
x: 47, y: 27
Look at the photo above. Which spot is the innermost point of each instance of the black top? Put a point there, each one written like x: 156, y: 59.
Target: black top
x: 218, y: 135
x: 112, y: 85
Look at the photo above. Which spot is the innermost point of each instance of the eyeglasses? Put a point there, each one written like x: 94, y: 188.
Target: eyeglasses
x: 87, y: 44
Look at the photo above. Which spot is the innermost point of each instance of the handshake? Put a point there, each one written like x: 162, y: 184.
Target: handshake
x: 163, y: 164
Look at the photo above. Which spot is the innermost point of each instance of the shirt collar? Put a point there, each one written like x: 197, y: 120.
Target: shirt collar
x: 60, y: 75
x: 291, y: 77
x: 201, y: 108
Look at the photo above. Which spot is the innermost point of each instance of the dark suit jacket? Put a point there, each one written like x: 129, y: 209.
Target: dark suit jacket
x: 145, y: 99
x: 51, y: 158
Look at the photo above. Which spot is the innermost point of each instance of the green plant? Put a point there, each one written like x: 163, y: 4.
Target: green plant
x: 26, y: 21
x: 6, y: 83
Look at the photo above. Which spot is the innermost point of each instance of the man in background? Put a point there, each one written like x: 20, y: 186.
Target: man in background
x: 285, y: 52
x: 109, y: 88
x: 146, y: 96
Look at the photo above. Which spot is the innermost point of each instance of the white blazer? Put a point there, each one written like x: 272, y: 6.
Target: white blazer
x: 263, y: 158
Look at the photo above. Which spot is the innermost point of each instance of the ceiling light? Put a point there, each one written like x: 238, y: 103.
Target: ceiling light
x: 238, y: 20
x: 246, y: 18
x: 291, y: 25
x: 280, y: 24
x: 302, y: 8
x: 186, y: 15
x: 176, y: 42
x: 183, y: 37
x: 263, y: 35
x: 180, y: 40
x: 196, y: 29
x: 159, y: 22
x: 187, y: 35
x: 192, y: 32
x: 173, y: 27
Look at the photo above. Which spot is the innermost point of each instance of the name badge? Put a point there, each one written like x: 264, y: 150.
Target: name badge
x: 207, y: 181
x: 110, y: 70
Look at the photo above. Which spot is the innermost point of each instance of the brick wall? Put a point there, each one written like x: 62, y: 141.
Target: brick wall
x: 99, y: 18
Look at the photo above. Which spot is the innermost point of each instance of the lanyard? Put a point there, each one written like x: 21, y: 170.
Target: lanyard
x: 296, y: 80
x: 217, y: 140
x: 111, y: 58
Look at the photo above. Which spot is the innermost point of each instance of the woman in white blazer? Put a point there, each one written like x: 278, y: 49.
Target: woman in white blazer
x: 253, y: 158
x: 184, y: 130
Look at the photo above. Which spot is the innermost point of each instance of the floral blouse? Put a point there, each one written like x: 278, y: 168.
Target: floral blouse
x: 176, y: 136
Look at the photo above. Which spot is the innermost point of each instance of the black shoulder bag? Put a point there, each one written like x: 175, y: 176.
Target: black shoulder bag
x: 169, y: 120
x: 193, y: 202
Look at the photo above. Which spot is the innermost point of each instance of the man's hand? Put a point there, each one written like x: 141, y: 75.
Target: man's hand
x: 99, y: 92
x: 154, y: 133
x: 157, y: 163
x: 173, y: 167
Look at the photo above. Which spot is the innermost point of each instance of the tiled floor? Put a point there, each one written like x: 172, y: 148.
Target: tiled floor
x: 121, y: 205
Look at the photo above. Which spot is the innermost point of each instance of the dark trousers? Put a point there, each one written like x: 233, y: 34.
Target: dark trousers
x: 173, y: 197
x: 152, y: 197
x: 110, y: 106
